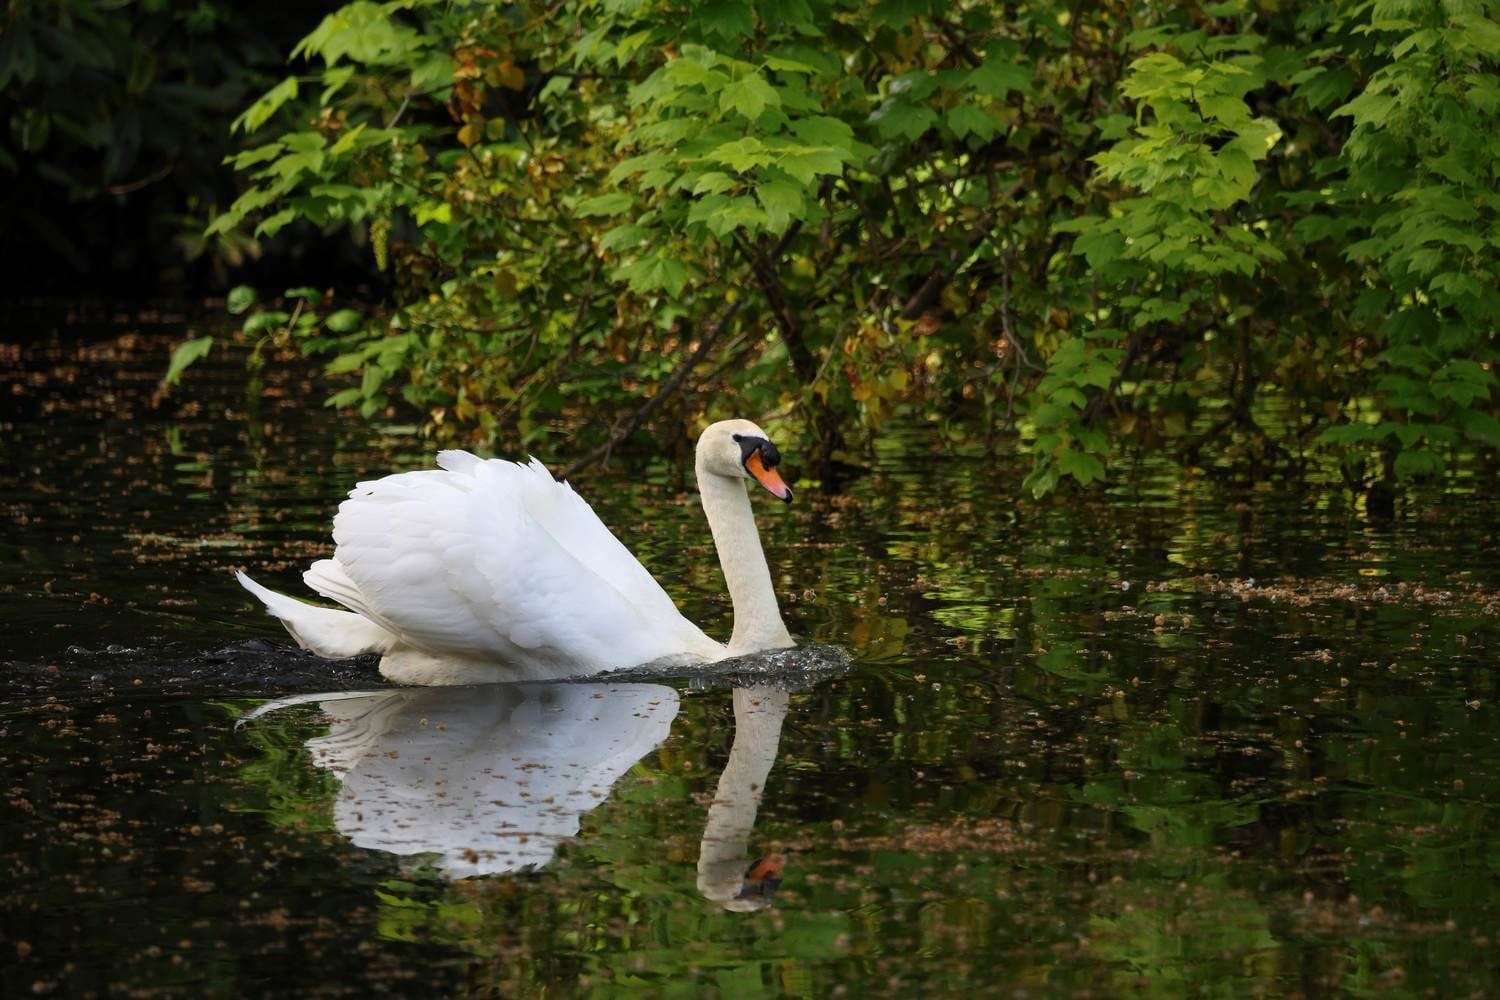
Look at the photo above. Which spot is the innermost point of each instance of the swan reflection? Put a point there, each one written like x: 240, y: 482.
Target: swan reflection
x: 490, y: 779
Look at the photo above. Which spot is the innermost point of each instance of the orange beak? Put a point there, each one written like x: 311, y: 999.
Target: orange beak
x: 769, y: 478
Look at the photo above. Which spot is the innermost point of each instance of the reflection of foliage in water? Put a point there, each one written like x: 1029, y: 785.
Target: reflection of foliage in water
x: 287, y: 788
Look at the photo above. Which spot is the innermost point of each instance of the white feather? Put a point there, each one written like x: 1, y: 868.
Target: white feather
x: 330, y: 633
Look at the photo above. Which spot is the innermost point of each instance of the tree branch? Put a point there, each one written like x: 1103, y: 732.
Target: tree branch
x: 926, y: 295
x: 763, y: 267
x: 956, y: 41
x: 621, y: 431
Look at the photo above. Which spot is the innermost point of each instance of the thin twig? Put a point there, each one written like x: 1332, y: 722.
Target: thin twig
x: 408, y: 95
x: 956, y: 41
x: 405, y: 103
x: 132, y: 186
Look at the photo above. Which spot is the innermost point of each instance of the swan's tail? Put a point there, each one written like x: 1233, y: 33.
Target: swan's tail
x: 330, y: 633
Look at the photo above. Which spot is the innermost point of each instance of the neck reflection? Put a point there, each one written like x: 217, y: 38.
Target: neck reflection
x: 723, y: 873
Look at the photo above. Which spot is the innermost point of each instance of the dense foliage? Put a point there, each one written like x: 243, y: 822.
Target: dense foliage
x: 112, y: 131
x: 1218, y: 232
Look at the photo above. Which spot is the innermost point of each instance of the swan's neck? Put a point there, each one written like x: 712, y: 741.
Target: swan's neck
x: 757, y: 618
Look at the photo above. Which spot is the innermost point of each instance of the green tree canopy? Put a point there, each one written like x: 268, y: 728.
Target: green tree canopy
x: 1209, y: 231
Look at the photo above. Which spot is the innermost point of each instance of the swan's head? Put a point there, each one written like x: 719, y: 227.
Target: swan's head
x: 738, y: 449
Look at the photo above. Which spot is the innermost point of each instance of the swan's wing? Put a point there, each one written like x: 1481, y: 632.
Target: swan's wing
x: 572, y: 523
x: 496, y: 558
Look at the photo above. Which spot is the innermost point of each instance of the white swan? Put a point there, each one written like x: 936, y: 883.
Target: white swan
x: 491, y: 570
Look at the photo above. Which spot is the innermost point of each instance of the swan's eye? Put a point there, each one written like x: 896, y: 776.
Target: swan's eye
x: 769, y: 456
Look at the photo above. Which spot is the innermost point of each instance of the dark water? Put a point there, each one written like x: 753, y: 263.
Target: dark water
x: 1180, y: 739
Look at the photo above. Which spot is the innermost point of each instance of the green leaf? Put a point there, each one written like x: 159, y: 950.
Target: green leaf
x: 267, y: 105
x: 260, y: 154
x: 352, y: 361
x: 1081, y: 466
x: 689, y: 72
x: 185, y: 354
x: 1042, y: 480
x: 348, y: 140
x: 730, y: 19
x: 741, y: 154
x: 713, y: 182
x: 433, y: 211
x: 1256, y: 138
x: 370, y: 380
x: 749, y: 95
x: 966, y: 119
x: 241, y: 297
x: 897, y: 119
x: 737, y: 213
x: 821, y: 130
x: 899, y: 14
x: 782, y: 201
x: 1067, y: 395
x: 1367, y: 109
x: 1232, y: 111
x: 1326, y: 87
x: 1477, y: 33
x: 624, y: 237
x: 344, y: 321
x: 805, y: 166
x: 1418, y: 462
x: 1482, y: 427
x: 334, y: 81
x: 998, y: 77
x: 1100, y: 249
x: 605, y: 204
x: 1238, y: 169
x: 274, y: 224
x: 782, y: 65
x: 268, y: 320
x: 914, y: 87
x: 362, y: 32
x: 659, y: 271
x: 706, y: 207
x: 783, y: 14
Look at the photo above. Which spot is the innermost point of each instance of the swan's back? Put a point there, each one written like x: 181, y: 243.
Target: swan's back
x: 489, y: 558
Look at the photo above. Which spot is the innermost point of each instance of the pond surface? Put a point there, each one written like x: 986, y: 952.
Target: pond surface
x: 1181, y: 738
